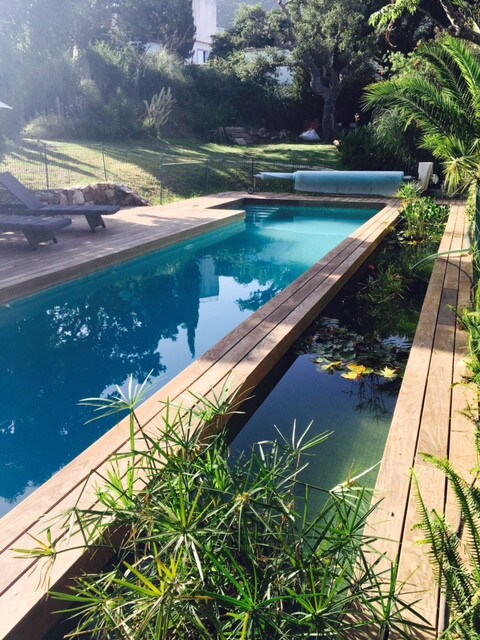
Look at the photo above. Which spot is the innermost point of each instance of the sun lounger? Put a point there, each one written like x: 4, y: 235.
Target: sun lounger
x: 34, y: 206
x: 35, y: 228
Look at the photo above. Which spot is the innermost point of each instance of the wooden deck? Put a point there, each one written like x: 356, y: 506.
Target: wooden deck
x: 428, y: 419
x: 247, y: 354
x: 129, y: 234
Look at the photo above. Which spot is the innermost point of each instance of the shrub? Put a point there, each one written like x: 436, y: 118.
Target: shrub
x: 106, y: 121
x: 381, y: 145
x: 212, y: 548
x: 422, y: 217
x: 359, y: 150
x: 51, y: 127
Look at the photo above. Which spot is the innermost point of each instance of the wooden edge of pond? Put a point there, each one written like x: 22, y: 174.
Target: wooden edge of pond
x: 428, y: 418
x: 247, y: 355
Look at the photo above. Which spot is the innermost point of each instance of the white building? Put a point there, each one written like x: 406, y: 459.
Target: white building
x: 205, y: 18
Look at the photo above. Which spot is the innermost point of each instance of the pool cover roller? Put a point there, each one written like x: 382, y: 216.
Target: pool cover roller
x: 383, y: 183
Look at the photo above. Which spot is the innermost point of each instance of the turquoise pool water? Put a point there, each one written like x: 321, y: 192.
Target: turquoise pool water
x: 155, y: 314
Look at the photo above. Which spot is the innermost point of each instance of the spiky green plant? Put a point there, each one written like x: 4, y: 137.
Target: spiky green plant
x: 215, y: 548
x: 443, y: 100
x: 455, y: 552
x: 159, y: 110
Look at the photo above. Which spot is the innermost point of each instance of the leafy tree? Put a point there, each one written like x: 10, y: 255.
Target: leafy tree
x: 251, y: 29
x: 227, y: 9
x: 167, y: 21
x: 330, y: 40
x: 441, y: 96
x: 460, y: 18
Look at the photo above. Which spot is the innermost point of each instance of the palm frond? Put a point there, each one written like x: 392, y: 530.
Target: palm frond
x: 442, y: 99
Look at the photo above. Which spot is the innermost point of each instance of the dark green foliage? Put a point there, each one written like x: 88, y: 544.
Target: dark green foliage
x: 226, y: 10
x: 387, y: 299
x: 460, y: 18
x: 167, y: 21
x: 51, y: 127
x: 251, y: 29
x: 114, y: 68
x: 47, y: 85
x: 104, y: 120
x: 331, y: 52
x: 455, y: 553
x: 440, y: 96
x: 360, y: 150
x: 423, y: 219
x: 384, y: 144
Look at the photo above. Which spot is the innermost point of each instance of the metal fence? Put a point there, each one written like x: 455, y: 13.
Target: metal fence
x: 158, y: 177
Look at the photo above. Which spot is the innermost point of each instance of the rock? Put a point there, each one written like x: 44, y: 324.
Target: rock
x: 98, y: 193
x: 125, y: 196
x: 78, y: 197
x: 465, y: 368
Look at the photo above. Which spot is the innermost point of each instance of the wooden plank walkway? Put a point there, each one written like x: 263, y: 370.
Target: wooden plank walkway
x: 428, y: 419
x: 247, y: 354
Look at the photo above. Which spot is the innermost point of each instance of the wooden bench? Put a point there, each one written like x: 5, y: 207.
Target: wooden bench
x: 35, y: 229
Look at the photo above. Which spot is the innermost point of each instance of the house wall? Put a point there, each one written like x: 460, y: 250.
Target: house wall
x: 205, y: 17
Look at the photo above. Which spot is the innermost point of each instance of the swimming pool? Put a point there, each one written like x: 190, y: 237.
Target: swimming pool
x: 154, y: 314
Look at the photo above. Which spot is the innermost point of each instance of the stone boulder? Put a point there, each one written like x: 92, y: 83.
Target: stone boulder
x: 98, y: 193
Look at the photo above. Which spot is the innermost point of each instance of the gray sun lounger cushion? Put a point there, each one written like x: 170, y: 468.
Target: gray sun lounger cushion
x: 36, y: 229
x: 93, y: 213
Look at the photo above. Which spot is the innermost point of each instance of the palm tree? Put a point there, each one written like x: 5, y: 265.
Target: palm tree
x: 442, y: 98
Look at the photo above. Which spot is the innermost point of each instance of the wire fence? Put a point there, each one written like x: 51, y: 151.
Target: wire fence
x: 158, y: 177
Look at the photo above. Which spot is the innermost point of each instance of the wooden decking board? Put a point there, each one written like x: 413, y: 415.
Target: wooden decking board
x: 427, y: 418
x: 130, y: 233
x: 394, y: 474
x: 125, y: 240
x: 461, y: 452
x: 433, y: 437
x: 264, y: 340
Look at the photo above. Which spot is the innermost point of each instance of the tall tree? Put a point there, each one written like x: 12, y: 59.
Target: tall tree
x: 329, y: 39
x: 169, y: 22
x: 461, y: 18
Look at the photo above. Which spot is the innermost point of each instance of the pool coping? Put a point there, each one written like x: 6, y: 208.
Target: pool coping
x: 248, y: 353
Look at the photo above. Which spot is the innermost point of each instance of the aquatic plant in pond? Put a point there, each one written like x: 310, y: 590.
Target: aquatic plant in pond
x: 423, y: 219
x: 214, y: 549
x: 340, y: 349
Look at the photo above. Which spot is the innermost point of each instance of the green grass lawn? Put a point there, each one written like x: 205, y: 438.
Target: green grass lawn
x: 158, y: 170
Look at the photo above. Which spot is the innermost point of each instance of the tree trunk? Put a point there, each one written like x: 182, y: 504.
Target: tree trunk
x: 329, y: 118
x: 327, y: 85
